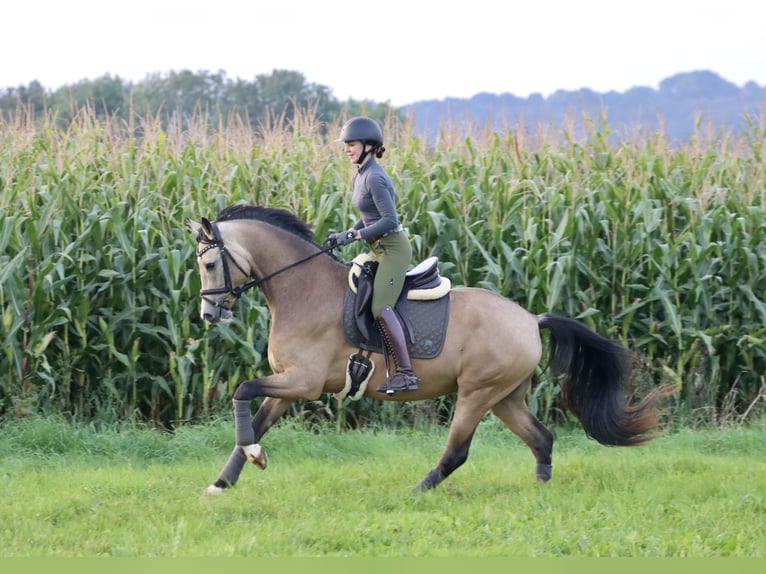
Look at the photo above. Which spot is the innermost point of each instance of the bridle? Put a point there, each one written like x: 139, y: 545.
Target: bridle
x: 229, y: 288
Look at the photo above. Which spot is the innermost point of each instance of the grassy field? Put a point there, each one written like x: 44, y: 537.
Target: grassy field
x: 83, y: 491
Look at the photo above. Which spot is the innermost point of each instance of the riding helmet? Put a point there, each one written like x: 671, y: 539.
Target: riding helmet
x: 361, y: 129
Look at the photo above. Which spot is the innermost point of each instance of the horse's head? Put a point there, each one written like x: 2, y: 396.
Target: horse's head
x: 221, y: 276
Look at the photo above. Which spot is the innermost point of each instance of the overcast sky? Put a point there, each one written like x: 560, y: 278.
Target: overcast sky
x: 396, y: 51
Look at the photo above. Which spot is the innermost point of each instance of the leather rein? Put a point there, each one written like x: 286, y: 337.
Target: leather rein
x: 228, y: 288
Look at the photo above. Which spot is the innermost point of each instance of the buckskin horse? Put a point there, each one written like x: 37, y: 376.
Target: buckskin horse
x: 487, y: 354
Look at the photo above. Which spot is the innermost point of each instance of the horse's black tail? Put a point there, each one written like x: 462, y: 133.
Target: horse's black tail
x: 597, y: 374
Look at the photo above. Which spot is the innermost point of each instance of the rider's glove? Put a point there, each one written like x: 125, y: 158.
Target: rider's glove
x: 345, y: 238
x: 332, y: 239
x: 342, y: 238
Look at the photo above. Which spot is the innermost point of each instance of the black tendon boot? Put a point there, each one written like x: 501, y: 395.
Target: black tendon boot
x: 393, y: 339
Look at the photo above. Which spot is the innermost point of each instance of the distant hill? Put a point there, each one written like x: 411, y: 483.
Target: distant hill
x: 681, y: 102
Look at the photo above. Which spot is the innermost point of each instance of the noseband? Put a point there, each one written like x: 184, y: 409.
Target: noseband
x: 228, y: 288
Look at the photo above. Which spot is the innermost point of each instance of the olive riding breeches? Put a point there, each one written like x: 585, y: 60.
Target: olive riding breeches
x: 393, y: 253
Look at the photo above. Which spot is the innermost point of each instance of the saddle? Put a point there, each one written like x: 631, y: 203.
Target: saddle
x: 422, y: 307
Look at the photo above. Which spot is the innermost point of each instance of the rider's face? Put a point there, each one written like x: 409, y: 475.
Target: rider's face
x: 353, y: 150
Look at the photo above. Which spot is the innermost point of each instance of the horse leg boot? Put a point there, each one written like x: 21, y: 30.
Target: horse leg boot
x: 395, y: 343
x: 244, y: 435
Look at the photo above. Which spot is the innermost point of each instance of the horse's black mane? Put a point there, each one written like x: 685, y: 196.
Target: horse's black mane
x: 278, y: 217
x: 281, y: 218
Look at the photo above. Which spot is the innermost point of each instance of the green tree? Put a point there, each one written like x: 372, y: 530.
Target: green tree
x: 105, y: 96
x: 29, y: 99
x: 282, y: 91
x: 178, y: 96
x: 181, y: 94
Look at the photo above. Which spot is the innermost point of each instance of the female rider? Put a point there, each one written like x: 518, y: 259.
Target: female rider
x: 379, y: 226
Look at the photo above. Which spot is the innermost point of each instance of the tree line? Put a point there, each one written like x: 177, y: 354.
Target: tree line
x: 682, y: 103
x: 180, y: 95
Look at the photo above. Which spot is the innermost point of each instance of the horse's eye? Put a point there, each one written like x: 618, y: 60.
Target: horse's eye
x: 210, y: 265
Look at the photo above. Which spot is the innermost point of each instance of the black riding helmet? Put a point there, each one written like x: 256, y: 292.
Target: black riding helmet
x: 363, y: 129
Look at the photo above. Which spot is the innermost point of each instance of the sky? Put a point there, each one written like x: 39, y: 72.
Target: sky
x: 395, y: 51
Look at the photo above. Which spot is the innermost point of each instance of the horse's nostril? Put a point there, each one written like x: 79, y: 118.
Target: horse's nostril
x: 209, y: 318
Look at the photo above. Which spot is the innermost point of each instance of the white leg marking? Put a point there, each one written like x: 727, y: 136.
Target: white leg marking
x: 256, y: 454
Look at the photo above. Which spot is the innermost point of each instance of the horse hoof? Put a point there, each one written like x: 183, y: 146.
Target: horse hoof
x: 544, y: 472
x: 256, y: 454
x: 213, y: 490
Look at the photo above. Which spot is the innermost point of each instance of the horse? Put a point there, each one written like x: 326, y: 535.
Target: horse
x: 490, y: 351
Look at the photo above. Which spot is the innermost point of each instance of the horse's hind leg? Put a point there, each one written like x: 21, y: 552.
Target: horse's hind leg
x: 467, y: 417
x: 513, y: 411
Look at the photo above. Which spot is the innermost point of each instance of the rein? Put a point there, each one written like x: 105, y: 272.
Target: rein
x: 228, y: 288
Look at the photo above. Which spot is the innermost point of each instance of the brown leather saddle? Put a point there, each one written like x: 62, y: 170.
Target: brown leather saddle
x: 423, y: 308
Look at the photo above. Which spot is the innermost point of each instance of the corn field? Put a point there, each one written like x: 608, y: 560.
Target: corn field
x: 656, y: 245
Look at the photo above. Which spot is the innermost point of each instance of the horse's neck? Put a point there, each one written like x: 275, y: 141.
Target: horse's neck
x: 305, y: 290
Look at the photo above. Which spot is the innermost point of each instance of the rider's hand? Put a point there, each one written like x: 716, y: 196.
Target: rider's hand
x: 345, y: 238
x: 332, y: 239
x: 342, y: 238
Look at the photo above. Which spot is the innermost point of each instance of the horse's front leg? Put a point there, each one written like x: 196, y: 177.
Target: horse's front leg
x: 247, y: 431
x: 268, y: 413
x: 287, y: 387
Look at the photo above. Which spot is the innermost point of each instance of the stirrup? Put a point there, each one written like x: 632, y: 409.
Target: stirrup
x: 399, y: 382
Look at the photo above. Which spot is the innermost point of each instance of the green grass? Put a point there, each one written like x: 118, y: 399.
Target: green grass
x: 70, y: 490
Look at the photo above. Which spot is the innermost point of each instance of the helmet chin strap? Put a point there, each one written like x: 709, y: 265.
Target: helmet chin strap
x: 364, y: 153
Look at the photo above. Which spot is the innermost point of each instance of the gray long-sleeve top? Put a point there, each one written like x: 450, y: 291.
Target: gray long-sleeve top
x: 374, y: 199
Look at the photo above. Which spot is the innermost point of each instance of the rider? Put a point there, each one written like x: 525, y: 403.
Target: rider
x: 379, y: 226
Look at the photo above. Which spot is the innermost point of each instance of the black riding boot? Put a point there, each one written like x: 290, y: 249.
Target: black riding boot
x: 394, y: 342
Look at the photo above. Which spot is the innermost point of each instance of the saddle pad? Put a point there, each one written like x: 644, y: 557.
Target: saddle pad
x: 425, y: 326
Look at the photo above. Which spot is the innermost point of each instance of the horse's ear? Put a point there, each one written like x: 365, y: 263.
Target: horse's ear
x: 207, y: 227
x: 202, y: 229
x: 196, y: 227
